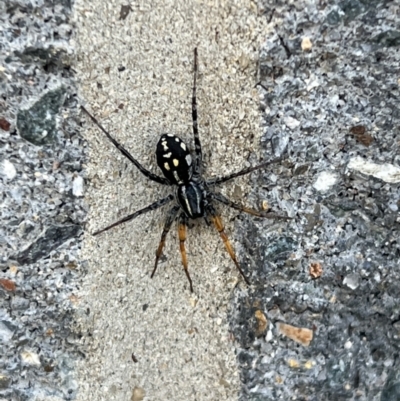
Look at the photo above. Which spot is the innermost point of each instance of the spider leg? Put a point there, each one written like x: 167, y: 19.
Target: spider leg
x: 167, y: 226
x: 216, y: 219
x: 207, y: 220
x: 153, y: 206
x: 182, y: 238
x: 197, y: 163
x: 219, y: 180
x: 144, y: 171
x: 237, y: 206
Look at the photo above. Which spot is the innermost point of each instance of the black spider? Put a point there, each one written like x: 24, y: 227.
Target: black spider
x: 193, y: 197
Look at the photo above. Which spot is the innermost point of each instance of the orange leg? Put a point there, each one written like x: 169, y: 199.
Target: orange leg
x: 220, y: 228
x: 182, y: 239
x: 168, y: 223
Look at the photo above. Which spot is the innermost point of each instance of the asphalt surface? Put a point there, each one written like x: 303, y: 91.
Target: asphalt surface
x: 136, y: 76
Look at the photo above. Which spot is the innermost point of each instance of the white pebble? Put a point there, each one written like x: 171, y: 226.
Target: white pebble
x: 269, y: 336
x: 385, y: 172
x: 8, y: 170
x: 352, y: 281
x: 30, y: 358
x: 77, y: 186
x: 306, y: 44
x: 325, y: 181
x: 291, y: 122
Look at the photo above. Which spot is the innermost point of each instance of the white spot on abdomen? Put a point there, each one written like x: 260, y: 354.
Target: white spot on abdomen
x: 176, y: 176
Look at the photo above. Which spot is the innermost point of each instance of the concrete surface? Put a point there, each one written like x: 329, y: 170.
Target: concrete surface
x: 136, y: 76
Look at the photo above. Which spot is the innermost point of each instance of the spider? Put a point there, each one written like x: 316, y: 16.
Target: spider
x: 193, y: 197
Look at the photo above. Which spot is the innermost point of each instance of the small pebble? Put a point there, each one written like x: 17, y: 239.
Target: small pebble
x: 291, y: 122
x: 352, y: 281
x: 30, y: 358
x: 8, y: 170
x: 306, y: 44
x: 301, y: 335
x: 325, y: 181
x: 77, y: 186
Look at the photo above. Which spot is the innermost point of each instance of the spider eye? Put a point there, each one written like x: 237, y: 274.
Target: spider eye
x: 174, y: 159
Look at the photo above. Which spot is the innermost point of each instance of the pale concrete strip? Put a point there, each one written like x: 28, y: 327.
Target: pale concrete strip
x: 145, y: 63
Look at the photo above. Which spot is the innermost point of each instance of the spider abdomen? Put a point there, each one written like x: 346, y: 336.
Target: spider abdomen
x: 191, y: 199
x: 174, y: 159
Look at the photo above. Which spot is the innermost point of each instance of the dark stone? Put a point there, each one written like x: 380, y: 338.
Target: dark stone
x: 52, y: 238
x: 245, y: 358
x: 390, y: 38
x: 352, y: 9
x: 5, y: 382
x: 38, y: 124
x: 124, y: 11
x: 333, y: 18
x: 49, y: 58
x: 279, y: 250
x: 391, y: 390
x: 301, y: 169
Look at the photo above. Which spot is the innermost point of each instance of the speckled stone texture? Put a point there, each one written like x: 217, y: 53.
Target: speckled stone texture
x: 330, y: 86
x: 41, y: 207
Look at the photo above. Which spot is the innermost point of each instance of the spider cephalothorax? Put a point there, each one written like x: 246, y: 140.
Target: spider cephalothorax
x: 193, y: 195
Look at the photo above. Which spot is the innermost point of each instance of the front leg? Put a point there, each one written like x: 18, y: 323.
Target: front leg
x: 143, y: 170
x: 198, y: 161
x: 132, y: 216
x: 266, y: 215
x: 220, y: 180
